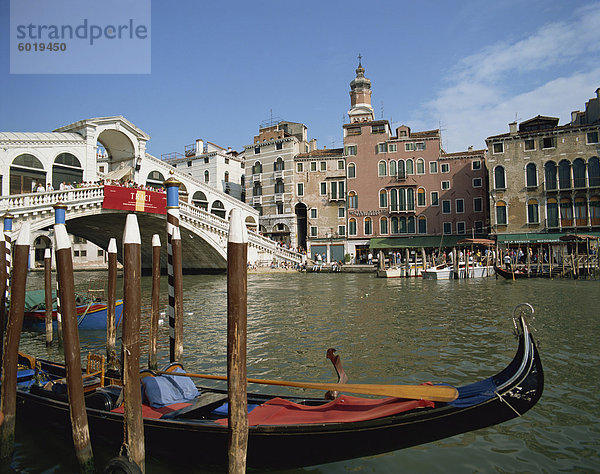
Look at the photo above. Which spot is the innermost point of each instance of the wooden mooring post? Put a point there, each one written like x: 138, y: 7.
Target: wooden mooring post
x: 132, y: 400
x: 66, y: 290
x: 3, y: 294
x: 237, y: 301
x: 155, y: 304
x: 60, y: 215
x: 8, y: 401
x: 48, y: 294
x: 111, y: 327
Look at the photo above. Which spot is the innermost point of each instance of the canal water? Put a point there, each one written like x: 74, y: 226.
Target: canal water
x: 391, y: 332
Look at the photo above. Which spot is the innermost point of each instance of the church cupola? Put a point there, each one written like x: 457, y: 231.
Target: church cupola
x: 360, y: 96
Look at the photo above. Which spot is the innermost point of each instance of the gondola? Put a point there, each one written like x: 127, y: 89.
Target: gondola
x: 287, y: 432
x: 510, y: 275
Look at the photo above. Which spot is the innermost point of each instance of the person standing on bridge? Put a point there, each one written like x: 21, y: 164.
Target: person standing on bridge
x: 40, y: 188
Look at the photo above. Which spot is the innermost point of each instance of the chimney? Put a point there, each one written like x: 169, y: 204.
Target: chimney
x: 513, y: 128
x: 470, y: 147
x: 199, y: 146
x: 312, y: 144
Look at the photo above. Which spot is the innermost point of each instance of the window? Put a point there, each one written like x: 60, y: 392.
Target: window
x: 393, y: 200
x: 410, y: 199
x: 313, y: 166
x: 75, y: 253
x: 479, y: 227
x: 420, y: 146
x: 323, y: 188
x: 313, y: 213
x: 594, y: 172
x: 533, y: 216
x: 498, y: 148
x: 352, y: 226
x: 422, y: 224
x: 206, y: 176
x: 477, y: 204
x: 580, y: 211
x: 477, y: 182
x: 313, y: 231
x: 299, y: 167
x: 420, y: 197
x: 402, y: 199
x: 564, y: 175
x: 381, y: 148
x: 550, y: 175
x: 278, y: 165
x: 300, y: 189
x: 279, y: 146
x: 402, y: 222
x: 334, y: 190
x: 323, y: 166
x: 256, y: 150
x: 401, y: 169
x: 341, y: 230
x: 501, y: 218
x: 460, y: 206
x: 368, y: 226
x: 420, y: 166
x: 393, y: 168
x: 351, y: 150
x: 352, y: 200
x: 445, y: 185
x: 354, y: 131
x: 79, y: 240
x: 595, y: 210
x: 566, y: 212
x: 529, y: 144
x: 579, y: 173
x: 383, y: 225
x: 279, y: 208
x: 552, y: 212
x: 189, y: 163
x: 257, y: 168
x: 460, y: 227
x: 410, y: 167
x: 340, y: 164
x: 341, y: 212
x: 394, y: 225
x: 445, y: 167
x: 592, y: 137
x: 476, y: 165
x: 382, y: 169
x: 383, y: 201
x: 531, y: 175
x: 447, y: 228
x: 377, y: 128
x: 433, y: 167
x: 435, y: 198
x: 206, y: 158
x: 393, y: 147
x: 409, y: 147
x: 548, y: 142
x: 257, y: 190
x: 100, y: 253
x: 226, y: 176
x: 351, y: 170
x: 411, y: 224
x: 499, y: 178
x: 446, y: 206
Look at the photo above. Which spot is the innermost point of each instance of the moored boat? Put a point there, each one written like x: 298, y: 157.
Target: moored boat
x: 447, y: 272
x: 287, y: 432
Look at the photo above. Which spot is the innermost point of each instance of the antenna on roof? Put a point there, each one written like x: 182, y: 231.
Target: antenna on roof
x: 381, y: 110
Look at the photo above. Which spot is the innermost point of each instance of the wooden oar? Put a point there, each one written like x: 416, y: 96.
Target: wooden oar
x: 436, y: 393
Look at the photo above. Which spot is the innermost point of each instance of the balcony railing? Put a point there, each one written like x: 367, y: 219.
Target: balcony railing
x: 278, y: 174
x: 256, y: 178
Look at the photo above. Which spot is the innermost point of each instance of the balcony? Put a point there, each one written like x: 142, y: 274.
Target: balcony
x: 397, y: 210
x: 278, y: 197
x: 256, y: 200
x: 278, y: 174
x: 337, y: 197
x: 256, y: 178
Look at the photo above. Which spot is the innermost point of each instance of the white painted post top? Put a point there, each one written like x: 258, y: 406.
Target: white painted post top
x: 112, y: 245
x: 24, y: 237
x: 238, y: 233
x: 155, y: 240
x: 47, y: 254
x: 131, y: 235
x: 61, y: 237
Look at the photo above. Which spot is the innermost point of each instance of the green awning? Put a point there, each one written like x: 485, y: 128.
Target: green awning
x: 425, y: 241
x: 535, y: 238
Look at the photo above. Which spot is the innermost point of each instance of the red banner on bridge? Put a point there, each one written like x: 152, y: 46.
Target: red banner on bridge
x: 132, y: 199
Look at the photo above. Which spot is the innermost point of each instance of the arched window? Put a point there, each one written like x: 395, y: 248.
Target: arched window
x: 595, y: 210
x: 566, y: 212
x: 257, y: 168
x: 206, y: 176
x: 67, y: 168
x: 580, y: 211
x: 279, y: 164
x: 499, y: 178
x: 393, y: 168
x: 351, y: 170
x: 411, y: 224
x: 533, y: 214
x: 401, y: 169
x: 26, y: 171
x: 279, y: 186
x: 594, y: 172
x: 410, y: 166
x: 421, y: 197
x: 402, y: 199
x: 501, y: 217
x: 420, y: 166
x: 410, y: 199
x: 393, y: 200
x: 394, y: 225
x: 422, y: 221
x: 579, y: 173
x: 383, y: 225
x: 564, y: 175
x: 226, y: 177
x: 199, y: 200
x: 218, y: 209
x: 383, y: 201
x: 257, y: 189
x: 403, y: 225
x: 531, y: 175
x: 552, y: 212
x: 382, y: 171
x: 352, y: 200
x: 550, y: 175
x: 368, y: 226
x: 352, y: 227
x: 155, y: 179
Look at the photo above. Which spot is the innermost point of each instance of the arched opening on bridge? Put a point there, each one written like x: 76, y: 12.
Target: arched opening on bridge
x: 251, y: 223
x: 40, y: 245
x: 302, y: 223
x: 262, y: 229
x: 183, y: 193
x: 120, y: 151
x: 155, y: 179
x: 218, y: 209
x: 280, y: 233
x: 66, y: 169
x: 26, y: 172
x: 199, y: 200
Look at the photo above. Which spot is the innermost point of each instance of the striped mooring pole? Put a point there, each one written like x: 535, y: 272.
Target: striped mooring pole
x: 60, y: 216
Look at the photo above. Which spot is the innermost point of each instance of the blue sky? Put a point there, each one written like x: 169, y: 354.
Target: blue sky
x: 220, y: 68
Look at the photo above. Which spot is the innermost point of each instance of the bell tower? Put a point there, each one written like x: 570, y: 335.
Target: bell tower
x: 360, y: 96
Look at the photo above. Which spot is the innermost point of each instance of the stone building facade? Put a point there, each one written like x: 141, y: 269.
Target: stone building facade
x: 545, y: 177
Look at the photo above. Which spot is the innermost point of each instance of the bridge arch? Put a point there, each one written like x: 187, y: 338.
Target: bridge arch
x: 120, y: 147
x: 218, y: 209
x: 199, y: 200
x: 66, y: 167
